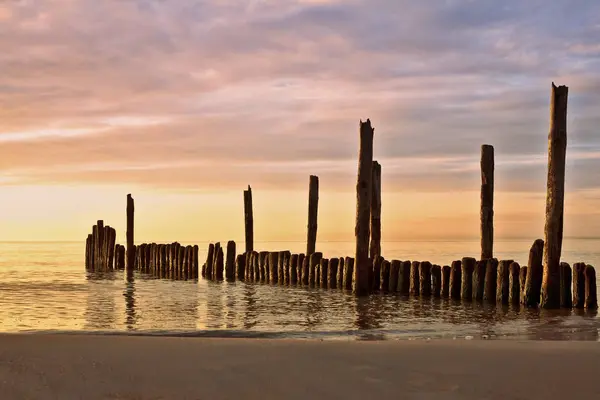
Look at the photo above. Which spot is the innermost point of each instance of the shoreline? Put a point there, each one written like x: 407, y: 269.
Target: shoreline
x: 150, y: 367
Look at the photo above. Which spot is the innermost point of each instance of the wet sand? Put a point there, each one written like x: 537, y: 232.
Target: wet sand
x: 126, y: 367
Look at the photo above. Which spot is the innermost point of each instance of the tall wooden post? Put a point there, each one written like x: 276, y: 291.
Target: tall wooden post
x: 249, y: 220
x: 487, y: 201
x: 363, y: 209
x: 99, y: 242
x: 130, y: 226
x: 375, y: 246
x: 313, y: 206
x: 555, y: 197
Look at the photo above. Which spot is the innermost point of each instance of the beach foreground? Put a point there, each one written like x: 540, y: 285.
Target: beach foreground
x: 127, y: 367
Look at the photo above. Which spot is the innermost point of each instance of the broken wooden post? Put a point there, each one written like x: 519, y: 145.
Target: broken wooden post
x: 384, y: 276
x: 313, y: 206
x: 479, y: 280
x: 273, y: 265
x: 230, y: 263
x: 121, y: 258
x: 93, y: 248
x: 130, y: 253
x: 446, y: 270
x: 218, y: 272
x: 591, y: 297
x: 111, y: 248
x: 196, y: 264
x: 455, y: 279
x: 315, y: 259
x: 579, y: 285
x: 503, y: 281
x: 535, y: 271
x: 491, y: 280
x: 514, y: 295
x: 566, y: 297
x: 555, y: 197
x: 332, y: 273
x: 468, y: 266
x: 363, y: 209
x: 255, y: 265
x: 348, y: 273
x: 436, y: 280
x: 394, y: 272
x: 305, y: 269
x: 375, y: 245
x: 263, y: 270
x: 425, y: 279
x: 487, y: 201
x: 248, y: 220
x: 323, y: 273
x: 376, y: 274
x: 404, y: 278
x: 415, y: 285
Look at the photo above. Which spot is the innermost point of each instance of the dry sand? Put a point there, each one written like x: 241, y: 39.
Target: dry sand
x: 125, y: 367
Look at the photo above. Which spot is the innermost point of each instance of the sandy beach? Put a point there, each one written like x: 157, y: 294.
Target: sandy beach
x: 125, y: 367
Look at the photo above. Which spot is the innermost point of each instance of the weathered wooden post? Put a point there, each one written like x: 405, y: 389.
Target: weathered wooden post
x: 491, y: 280
x: 230, y: 263
x: 313, y: 206
x: 195, y: 254
x: 248, y: 219
x: 121, y: 257
x: 93, y: 248
x: 181, y: 254
x: 207, y: 267
x: 522, y: 281
x: 384, y: 276
x: 363, y: 209
x: 479, y: 280
x: 487, y: 201
x: 446, y: 271
x: 111, y: 248
x: 579, y: 285
x: 514, y: 295
x: 348, y: 273
x: 425, y: 279
x: 468, y: 266
x: 218, y: 273
x: 535, y: 271
x: 455, y: 279
x: 376, y: 274
x: 215, y: 266
x: 255, y: 265
x: 300, y: 264
x: 88, y: 246
x: 263, y: 270
x: 294, y: 269
x: 404, y: 278
x: 394, y: 273
x: 566, y: 297
x: 305, y: 268
x: 415, y: 285
x: 315, y: 259
x: 273, y: 264
x: 324, y: 272
x: 130, y: 227
x: 98, y: 246
x: 555, y: 197
x: 375, y: 246
x: 591, y: 297
x: 340, y: 275
x: 240, y: 266
x: 332, y: 273
x: 436, y: 280
x: 503, y: 281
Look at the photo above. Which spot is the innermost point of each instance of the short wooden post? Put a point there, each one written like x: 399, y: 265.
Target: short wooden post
x: 491, y: 280
x: 446, y: 272
x: 503, y: 281
x: 591, y: 297
x: 324, y: 272
x: 514, y: 295
x: 404, y: 278
x: 468, y: 266
x: 535, y: 271
x: 394, y: 273
x: 348, y: 273
x: 340, y: 274
x: 255, y: 265
x: 111, y: 248
x: 425, y: 279
x: 294, y: 269
x: 361, y: 264
x: 121, y: 258
x: 332, y: 272
x: 130, y: 253
x: 375, y: 245
x: 315, y: 259
x: 415, y: 285
x: 455, y: 279
x: 479, y: 280
x: 240, y: 266
x: 88, y: 241
x: 313, y: 206
x: 385, y: 276
x: 195, y: 253
x: 273, y: 265
x: 248, y: 219
x: 218, y: 273
x: 376, y: 274
x: 93, y: 248
x: 579, y: 285
x: 436, y: 280
x: 522, y: 280
x: 207, y: 268
x: 263, y: 270
x: 566, y: 297
x: 182, y: 275
x: 300, y: 264
x: 487, y: 201
x: 230, y: 263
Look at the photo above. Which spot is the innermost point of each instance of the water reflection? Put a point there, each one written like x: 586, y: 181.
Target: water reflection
x: 129, y: 294
x: 100, y: 302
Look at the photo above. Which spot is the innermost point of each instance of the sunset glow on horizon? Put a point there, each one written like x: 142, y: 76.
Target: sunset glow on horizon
x: 184, y: 103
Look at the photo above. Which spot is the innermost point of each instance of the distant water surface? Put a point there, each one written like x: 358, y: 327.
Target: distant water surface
x: 44, y: 287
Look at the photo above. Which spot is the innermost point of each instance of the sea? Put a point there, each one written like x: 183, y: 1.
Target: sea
x: 44, y: 288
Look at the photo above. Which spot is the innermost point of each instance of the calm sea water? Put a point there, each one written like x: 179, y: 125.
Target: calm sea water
x: 44, y: 287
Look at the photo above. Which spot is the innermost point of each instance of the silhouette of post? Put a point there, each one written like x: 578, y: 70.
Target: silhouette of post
x: 363, y: 209
x: 455, y: 279
x: 415, y: 284
x: 375, y: 246
x: 230, y: 263
x: 522, y: 281
x: 425, y: 279
x: 436, y: 280
x: 394, y: 273
x: 88, y: 247
x: 503, y: 281
x: 249, y: 219
x: 591, y: 297
x: 514, y: 295
x: 468, y: 266
x: 555, y: 197
x: 566, y: 297
x: 487, y: 201
x: 98, y: 246
x: 446, y: 270
x: 348, y: 273
x: 130, y: 227
x: 384, y: 275
x: 491, y: 279
x: 535, y: 271
x: 579, y: 285
x: 313, y: 207
x: 479, y: 280
x: 404, y: 278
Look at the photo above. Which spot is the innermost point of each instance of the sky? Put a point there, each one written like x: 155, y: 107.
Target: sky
x: 184, y: 103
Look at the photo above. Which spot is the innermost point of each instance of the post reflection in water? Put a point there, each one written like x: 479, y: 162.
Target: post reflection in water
x: 129, y: 294
x: 100, y: 302
x: 250, y: 318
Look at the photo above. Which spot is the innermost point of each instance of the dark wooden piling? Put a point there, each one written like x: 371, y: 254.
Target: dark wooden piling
x: 446, y: 272
x: 362, y: 229
x: 487, y: 201
x: 93, y: 248
x: 425, y: 279
x: 514, y: 295
x: 332, y: 272
x: 403, y: 286
x: 455, y: 279
x: 436, y: 280
x: 111, y: 248
x: 263, y: 270
x: 98, y: 245
x: 415, y: 285
x: 503, y: 281
x: 591, y: 297
x: 250, y: 267
x: 535, y: 271
x: 294, y: 269
x: 324, y: 273
x: 491, y: 280
x: 566, y: 297
x: 479, y: 280
x: 121, y: 258
x: 215, y: 268
x: 348, y: 273
x: 300, y: 264
x: 375, y: 245
x: 273, y: 267
x: 88, y: 246
x: 315, y: 259
x: 555, y: 197
x: 579, y: 285
x: 376, y: 274
x: 384, y: 276
x: 240, y: 266
x: 305, y: 269
x: 522, y: 280
x: 207, y: 268
x: 313, y: 206
x: 286, y: 267
x: 340, y: 274
x: 196, y: 263
x: 218, y: 273
x: 248, y: 220
x: 467, y: 266
x: 394, y: 273
x: 280, y: 268
x: 130, y: 227
x: 181, y: 270
x: 230, y: 263
x: 255, y: 265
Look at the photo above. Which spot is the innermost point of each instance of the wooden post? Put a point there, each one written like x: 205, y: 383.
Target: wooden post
x: 404, y: 278
x: 93, y: 248
x: 340, y: 274
x: 121, y: 258
x: 294, y: 269
x: 468, y: 266
x: 566, y: 297
x: 255, y: 265
x: 313, y: 205
x: 207, y: 268
x: 249, y: 271
x: 332, y: 273
x: 273, y: 264
x: 315, y: 259
x: 284, y: 259
x: 579, y: 285
x: 230, y: 263
x: 375, y: 246
x: 415, y: 285
x: 394, y: 273
x: 436, y: 280
x: 591, y: 297
x: 248, y: 219
x: 503, y: 281
x: 181, y: 254
x: 324, y: 272
x: 98, y: 246
x: 218, y: 273
x: 348, y: 273
x: 88, y: 241
x: 514, y: 295
x: 195, y: 255
x: 299, y: 268
x: 305, y: 268
x: 522, y: 281
x: 363, y: 209
x: 479, y: 280
x: 376, y: 274
x: 555, y: 197
x: 455, y: 279
x: 425, y: 279
x: 446, y: 270
x: 487, y: 201
x: 535, y: 271
x: 491, y: 280
x: 240, y: 266
x: 130, y: 227
x: 263, y: 270
x: 385, y: 276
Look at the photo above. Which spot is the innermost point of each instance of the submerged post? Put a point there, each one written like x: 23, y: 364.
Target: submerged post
x: 130, y: 249
x: 248, y: 220
x: 487, y: 201
x: 375, y: 246
x: 555, y: 197
x: 313, y: 206
x: 363, y: 209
